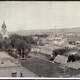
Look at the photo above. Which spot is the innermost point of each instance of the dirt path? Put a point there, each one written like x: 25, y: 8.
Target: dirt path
x: 44, y: 68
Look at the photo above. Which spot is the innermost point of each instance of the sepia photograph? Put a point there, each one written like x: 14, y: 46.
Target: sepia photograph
x: 39, y: 39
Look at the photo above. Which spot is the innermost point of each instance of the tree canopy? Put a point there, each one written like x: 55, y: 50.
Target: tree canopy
x: 21, y: 43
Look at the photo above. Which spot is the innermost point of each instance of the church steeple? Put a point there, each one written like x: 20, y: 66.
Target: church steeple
x: 4, y: 25
x: 4, y: 30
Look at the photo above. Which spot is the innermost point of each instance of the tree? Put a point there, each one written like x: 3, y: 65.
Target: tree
x: 22, y: 44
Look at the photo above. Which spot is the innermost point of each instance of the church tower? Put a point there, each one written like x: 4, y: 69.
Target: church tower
x: 4, y: 30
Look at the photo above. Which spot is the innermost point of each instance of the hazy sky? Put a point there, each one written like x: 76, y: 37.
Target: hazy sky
x: 39, y: 15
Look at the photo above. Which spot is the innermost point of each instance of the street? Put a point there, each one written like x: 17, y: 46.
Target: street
x: 44, y: 68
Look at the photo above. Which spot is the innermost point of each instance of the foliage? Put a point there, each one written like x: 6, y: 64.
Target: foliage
x: 21, y: 43
x: 61, y: 51
x: 42, y: 35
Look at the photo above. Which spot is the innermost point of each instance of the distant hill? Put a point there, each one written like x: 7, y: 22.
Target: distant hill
x: 74, y: 31
x: 48, y: 31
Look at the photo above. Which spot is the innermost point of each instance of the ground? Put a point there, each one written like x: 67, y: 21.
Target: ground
x: 43, y: 68
x: 10, y: 66
x: 40, y: 65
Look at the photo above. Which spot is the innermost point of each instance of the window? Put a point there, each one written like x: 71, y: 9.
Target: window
x: 14, y: 74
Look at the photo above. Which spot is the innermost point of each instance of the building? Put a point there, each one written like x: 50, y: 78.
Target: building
x: 54, y: 40
x: 51, y: 43
x: 45, y: 49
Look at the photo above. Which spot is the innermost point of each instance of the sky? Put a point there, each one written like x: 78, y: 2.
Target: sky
x: 25, y: 15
